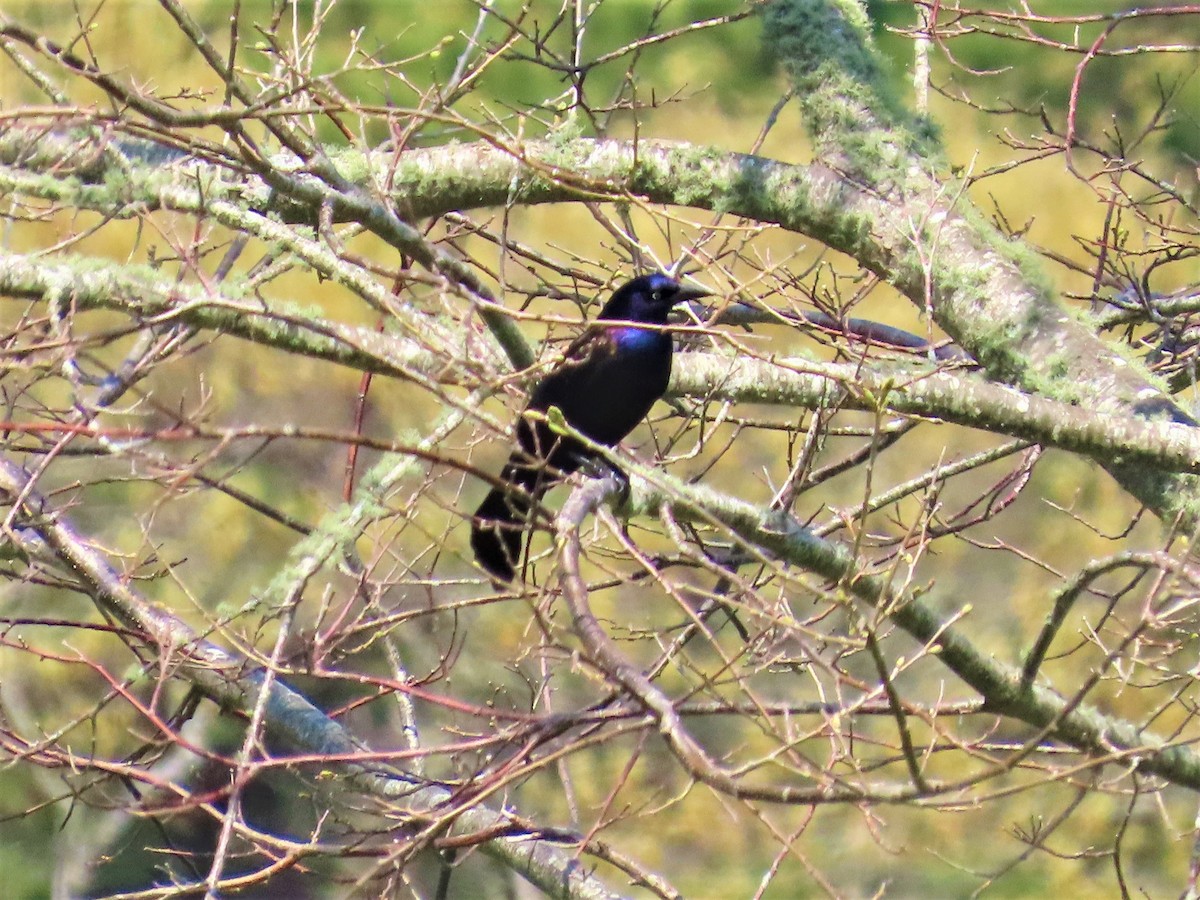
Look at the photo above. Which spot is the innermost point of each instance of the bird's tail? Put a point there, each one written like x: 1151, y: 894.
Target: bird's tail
x: 498, y: 532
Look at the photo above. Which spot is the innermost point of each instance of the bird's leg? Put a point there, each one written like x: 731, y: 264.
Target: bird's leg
x: 594, y: 466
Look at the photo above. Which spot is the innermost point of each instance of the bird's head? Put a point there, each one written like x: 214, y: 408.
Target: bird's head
x: 649, y: 298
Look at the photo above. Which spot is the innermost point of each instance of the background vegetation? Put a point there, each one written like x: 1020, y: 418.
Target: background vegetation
x: 255, y: 382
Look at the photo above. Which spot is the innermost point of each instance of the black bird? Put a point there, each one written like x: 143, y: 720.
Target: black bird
x: 608, y: 381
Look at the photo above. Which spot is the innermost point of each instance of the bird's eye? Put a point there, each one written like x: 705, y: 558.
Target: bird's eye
x: 657, y: 296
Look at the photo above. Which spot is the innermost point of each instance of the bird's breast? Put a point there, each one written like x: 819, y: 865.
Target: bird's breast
x: 629, y: 339
x: 622, y: 389
x: 606, y: 393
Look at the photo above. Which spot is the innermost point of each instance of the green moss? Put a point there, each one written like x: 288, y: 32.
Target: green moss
x: 806, y: 33
x: 1059, y: 366
x: 847, y: 102
x: 1012, y: 249
x: 565, y: 130
x: 351, y: 164
x: 692, y: 175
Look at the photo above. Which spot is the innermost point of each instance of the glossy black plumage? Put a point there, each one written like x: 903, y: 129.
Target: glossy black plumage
x: 606, y: 384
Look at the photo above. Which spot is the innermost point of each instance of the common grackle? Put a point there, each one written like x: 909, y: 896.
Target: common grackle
x: 607, y: 382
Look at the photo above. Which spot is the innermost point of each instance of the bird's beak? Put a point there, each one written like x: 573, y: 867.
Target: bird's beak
x: 687, y: 293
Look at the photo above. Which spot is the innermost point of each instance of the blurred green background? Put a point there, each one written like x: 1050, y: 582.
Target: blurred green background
x: 714, y: 87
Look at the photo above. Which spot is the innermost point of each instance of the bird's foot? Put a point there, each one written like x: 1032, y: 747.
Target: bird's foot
x: 598, y: 467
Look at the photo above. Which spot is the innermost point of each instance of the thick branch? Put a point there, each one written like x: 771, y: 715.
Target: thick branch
x: 983, y: 289
x: 1001, y: 685
x: 950, y: 396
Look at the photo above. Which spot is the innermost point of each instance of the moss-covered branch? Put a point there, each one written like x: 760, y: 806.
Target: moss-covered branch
x: 950, y: 396
x: 291, y: 720
x: 984, y: 290
x: 1000, y: 684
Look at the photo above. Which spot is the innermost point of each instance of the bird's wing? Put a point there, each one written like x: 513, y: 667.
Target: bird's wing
x: 585, y: 359
x: 595, y: 343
